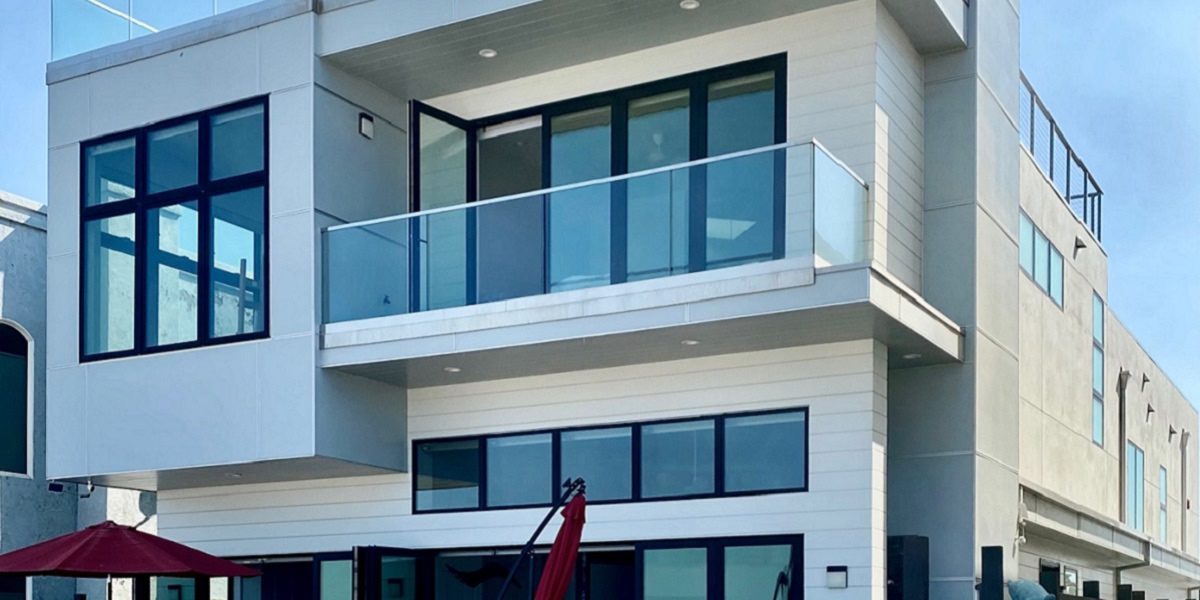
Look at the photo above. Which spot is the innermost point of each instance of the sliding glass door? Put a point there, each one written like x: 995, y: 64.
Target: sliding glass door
x: 443, y: 155
x: 389, y: 574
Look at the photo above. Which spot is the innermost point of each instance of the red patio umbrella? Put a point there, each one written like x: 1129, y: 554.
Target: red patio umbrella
x: 560, y: 565
x: 108, y: 549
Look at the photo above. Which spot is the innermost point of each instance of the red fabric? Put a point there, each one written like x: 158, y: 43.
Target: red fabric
x: 110, y: 549
x: 560, y: 565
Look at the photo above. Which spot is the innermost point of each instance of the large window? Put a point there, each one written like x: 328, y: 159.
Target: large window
x: 174, y: 234
x: 728, y: 569
x: 748, y: 453
x: 1097, y: 369
x: 1041, y: 260
x: 12, y: 587
x: 14, y: 401
x: 1135, y: 487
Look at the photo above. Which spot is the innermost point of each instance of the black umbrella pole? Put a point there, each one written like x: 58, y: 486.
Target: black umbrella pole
x: 572, y: 486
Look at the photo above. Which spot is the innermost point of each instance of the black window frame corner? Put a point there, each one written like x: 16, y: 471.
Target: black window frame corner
x: 202, y: 193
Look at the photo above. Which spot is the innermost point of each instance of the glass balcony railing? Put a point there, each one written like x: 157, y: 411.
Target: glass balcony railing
x: 79, y: 26
x: 788, y: 200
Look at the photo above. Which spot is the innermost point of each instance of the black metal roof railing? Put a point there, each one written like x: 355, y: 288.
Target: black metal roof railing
x: 1041, y: 135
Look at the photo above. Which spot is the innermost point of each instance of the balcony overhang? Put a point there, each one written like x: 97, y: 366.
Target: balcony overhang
x: 760, y: 306
x: 267, y: 471
x: 418, y: 49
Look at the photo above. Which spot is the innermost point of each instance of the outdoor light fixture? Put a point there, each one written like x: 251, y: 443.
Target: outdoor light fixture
x: 488, y: 53
x: 837, y: 577
x: 911, y: 356
x: 1145, y: 380
x: 452, y: 369
x: 690, y: 342
x: 366, y: 126
x: 689, y: 4
x: 1171, y: 433
x: 1079, y: 245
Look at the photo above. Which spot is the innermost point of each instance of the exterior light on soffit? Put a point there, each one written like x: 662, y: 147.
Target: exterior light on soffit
x: 689, y: 4
x: 452, y: 369
x: 488, y: 53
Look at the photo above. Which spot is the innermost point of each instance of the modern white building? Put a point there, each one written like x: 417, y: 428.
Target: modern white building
x: 352, y: 285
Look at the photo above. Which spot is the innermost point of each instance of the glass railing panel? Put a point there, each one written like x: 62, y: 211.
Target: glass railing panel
x: 841, y: 215
x: 740, y: 210
x: 79, y: 26
x: 658, y: 222
x: 367, y: 270
x: 511, y: 249
x: 765, y: 204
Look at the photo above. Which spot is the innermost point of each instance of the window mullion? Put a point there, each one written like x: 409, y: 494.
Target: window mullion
x: 204, y: 234
x: 140, y: 242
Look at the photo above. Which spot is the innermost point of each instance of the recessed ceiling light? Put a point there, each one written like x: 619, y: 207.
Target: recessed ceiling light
x: 452, y: 369
x: 488, y: 53
x: 911, y: 356
x: 689, y: 4
x: 234, y: 475
x: 690, y: 342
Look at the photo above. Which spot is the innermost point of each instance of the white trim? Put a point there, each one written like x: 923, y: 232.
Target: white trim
x: 30, y: 372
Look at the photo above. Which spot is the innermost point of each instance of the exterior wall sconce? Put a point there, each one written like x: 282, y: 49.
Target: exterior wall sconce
x: 366, y: 126
x: 837, y: 577
x: 1149, y: 412
x: 1145, y: 380
x: 1079, y: 245
x: 1171, y: 433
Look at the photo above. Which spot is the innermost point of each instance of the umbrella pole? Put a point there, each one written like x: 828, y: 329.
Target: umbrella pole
x: 571, y: 488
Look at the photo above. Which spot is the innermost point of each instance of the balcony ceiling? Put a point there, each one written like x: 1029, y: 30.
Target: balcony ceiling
x: 534, y: 38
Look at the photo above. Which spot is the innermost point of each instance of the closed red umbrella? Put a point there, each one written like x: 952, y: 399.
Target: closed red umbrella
x: 108, y: 549
x: 560, y: 565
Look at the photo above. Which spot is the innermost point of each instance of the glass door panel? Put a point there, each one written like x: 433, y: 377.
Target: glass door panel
x: 755, y: 572
x: 579, y: 219
x: 441, y: 169
x: 657, y: 205
x: 335, y: 578
x: 388, y: 573
x: 741, y: 194
x: 510, y: 234
x: 675, y: 574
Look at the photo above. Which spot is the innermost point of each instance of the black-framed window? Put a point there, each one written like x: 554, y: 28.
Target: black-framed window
x: 721, y: 569
x: 1041, y: 260
x: 14, y: 401
x: 174, y: 234
x: 702, y: 457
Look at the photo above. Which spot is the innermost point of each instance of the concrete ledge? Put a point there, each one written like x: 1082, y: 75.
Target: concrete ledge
x: 20, y: 210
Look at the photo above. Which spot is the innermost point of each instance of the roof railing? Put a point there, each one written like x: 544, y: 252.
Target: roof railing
x: 1052, y: 153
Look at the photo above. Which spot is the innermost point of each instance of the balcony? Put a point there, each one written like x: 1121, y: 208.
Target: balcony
x: 726, y: 251
x: 79, y: 26
x: 782, y: 201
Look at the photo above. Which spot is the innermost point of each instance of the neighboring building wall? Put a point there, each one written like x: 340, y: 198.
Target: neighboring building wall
x: 28, y: 512
x: 1057, y: 451
x: 127, y: 507
x: 841, y: 514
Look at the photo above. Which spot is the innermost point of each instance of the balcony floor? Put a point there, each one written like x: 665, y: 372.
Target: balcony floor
x: 752, y: 307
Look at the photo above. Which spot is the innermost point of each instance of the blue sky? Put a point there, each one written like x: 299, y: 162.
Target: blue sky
x: 1122, y: 81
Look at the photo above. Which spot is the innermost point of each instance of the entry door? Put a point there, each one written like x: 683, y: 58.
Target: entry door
x: 442, y: 150
x: 390, y: 574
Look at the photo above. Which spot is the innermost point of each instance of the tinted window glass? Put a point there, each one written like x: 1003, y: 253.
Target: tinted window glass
x: 109, y: 172
x: 657, y: 205
x: 239, y: 233
x: 1098, y: 319
x: 14, y: 401
x: 765, y: 452
x: 108, y: 247
x: 677, y: 459
x: 1041, y: 260
x: 1098, y: 370
x: 579, y: 220
x: 172, y: 295
x: 753, y: 572
x: 1098, y: 421
x: 172, y: 154
x: 1026, y: 244
x: 448, y: 475
x: 680, y: 574
x: 1056, y: 276
x: 603, y: 458
x: 519, y: 470
x: 238, y: 144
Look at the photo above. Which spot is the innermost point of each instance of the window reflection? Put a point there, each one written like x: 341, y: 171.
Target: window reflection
x: 579, y: 220
x: 108, y: 284
x: 110, y: 172
x: 237, y: 263
x: 677, y: 459
x: 658, y: 204
x: 173, y: 155
x: 448, y: 475
x: 518, y: 471
x: 757, y: 572
x: 675, y: 574
x: 603, y: 458
x: 172, y: 296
